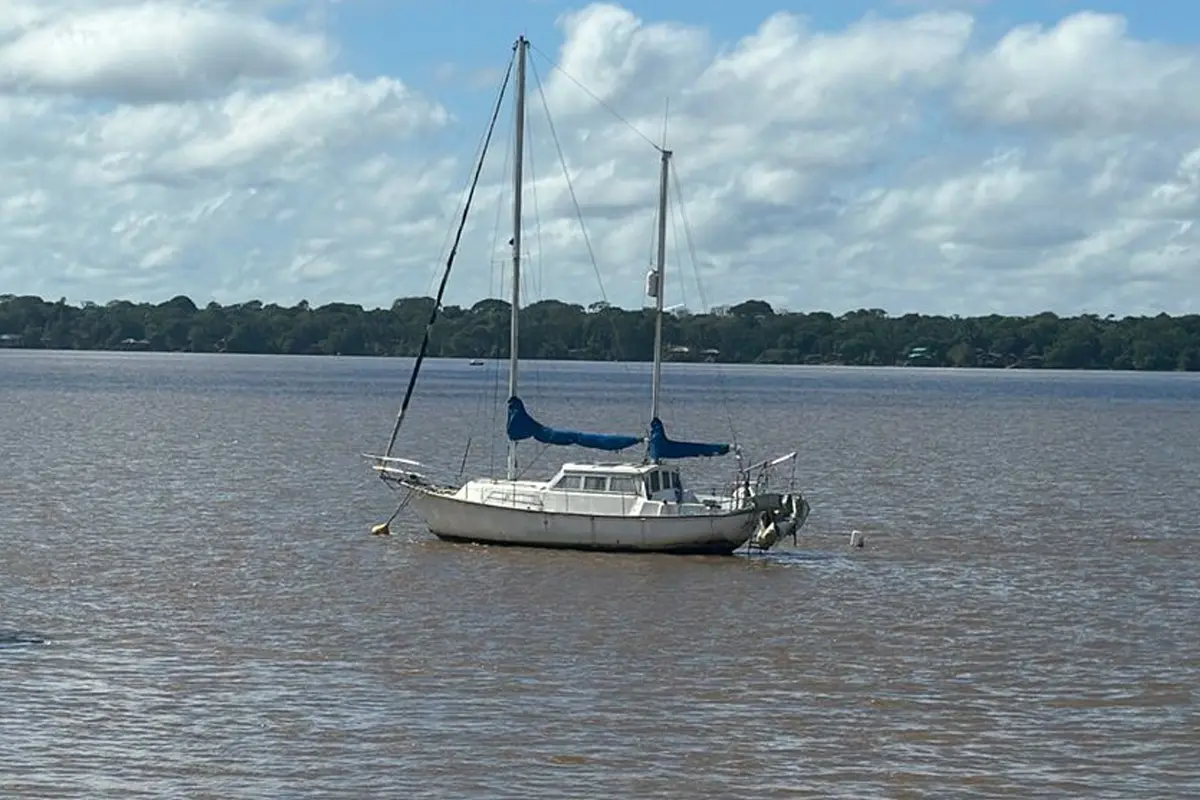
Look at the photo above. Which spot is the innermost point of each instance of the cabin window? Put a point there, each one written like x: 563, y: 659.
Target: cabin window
x: 595, y: 483
x: 666, y: 481
x: 569, y: 482
x: 675, y: 480
x: 654, y: 486
x: 621, y: 485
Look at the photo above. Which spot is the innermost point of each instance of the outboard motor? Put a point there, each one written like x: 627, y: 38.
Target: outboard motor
x: 767, y: 534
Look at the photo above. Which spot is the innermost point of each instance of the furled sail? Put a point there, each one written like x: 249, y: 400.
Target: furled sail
x: 523, y: 426
x: 663, y: 448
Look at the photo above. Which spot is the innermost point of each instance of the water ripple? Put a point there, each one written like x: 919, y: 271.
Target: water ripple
x: 190, y: 605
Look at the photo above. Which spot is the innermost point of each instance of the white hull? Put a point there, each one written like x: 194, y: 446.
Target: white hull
x: 454, y: 519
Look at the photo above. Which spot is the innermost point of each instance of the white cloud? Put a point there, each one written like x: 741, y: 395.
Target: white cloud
x: 243, y: 130
x: 1083, y: 73
x: 149, y: 52
x: 905, y: 161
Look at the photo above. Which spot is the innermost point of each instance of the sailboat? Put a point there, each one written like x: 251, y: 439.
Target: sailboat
x: 642, y: 505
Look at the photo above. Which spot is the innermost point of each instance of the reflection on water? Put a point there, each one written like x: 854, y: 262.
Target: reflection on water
x: 190, y: 604
x: 12, y: 638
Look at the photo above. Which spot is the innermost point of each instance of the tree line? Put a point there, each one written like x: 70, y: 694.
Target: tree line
x: 750, y: 332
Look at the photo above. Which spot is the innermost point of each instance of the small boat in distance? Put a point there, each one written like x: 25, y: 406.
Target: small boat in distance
x: 476, y: 362
x: 640, y: 505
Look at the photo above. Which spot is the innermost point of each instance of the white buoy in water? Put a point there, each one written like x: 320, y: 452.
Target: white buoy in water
x: 857, y: 539
x: 382, y: 529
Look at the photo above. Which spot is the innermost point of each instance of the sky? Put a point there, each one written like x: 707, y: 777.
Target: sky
x: 932, y: 156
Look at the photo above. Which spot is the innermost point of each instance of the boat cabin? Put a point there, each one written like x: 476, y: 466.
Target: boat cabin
x: 648, y: 481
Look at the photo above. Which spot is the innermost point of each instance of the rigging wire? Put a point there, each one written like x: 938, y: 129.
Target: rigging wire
x: 495, y: 286
x: 492, y: 369
x: 532, y: 375
x: 570, y: 186
x: 675, y: 238
x: 437, y: 303
x: 536, y: 457
x: 676, y: 184
x: 537, y: 213
x: 587, y: 241
x: 468, y: 185
x: 592, y: 95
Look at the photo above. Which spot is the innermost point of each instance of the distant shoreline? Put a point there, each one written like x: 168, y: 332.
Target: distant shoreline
x: 748, y: 333
x: 504, y: 361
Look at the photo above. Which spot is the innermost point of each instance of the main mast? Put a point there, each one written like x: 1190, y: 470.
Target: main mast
x: 656, y: 283
x: 518, y: 165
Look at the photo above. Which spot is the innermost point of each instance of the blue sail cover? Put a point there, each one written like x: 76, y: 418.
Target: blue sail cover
x: 663, y: 448
x: 523, y: 426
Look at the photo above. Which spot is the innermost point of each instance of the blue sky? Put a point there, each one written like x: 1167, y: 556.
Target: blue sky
x: 954, y: 157
x: 422, y: 40
x: 413, y: 38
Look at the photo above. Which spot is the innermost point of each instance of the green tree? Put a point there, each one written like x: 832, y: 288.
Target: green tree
x: 751, y: 331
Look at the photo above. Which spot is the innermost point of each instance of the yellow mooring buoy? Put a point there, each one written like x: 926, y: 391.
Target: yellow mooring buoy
x: 382, y: 529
